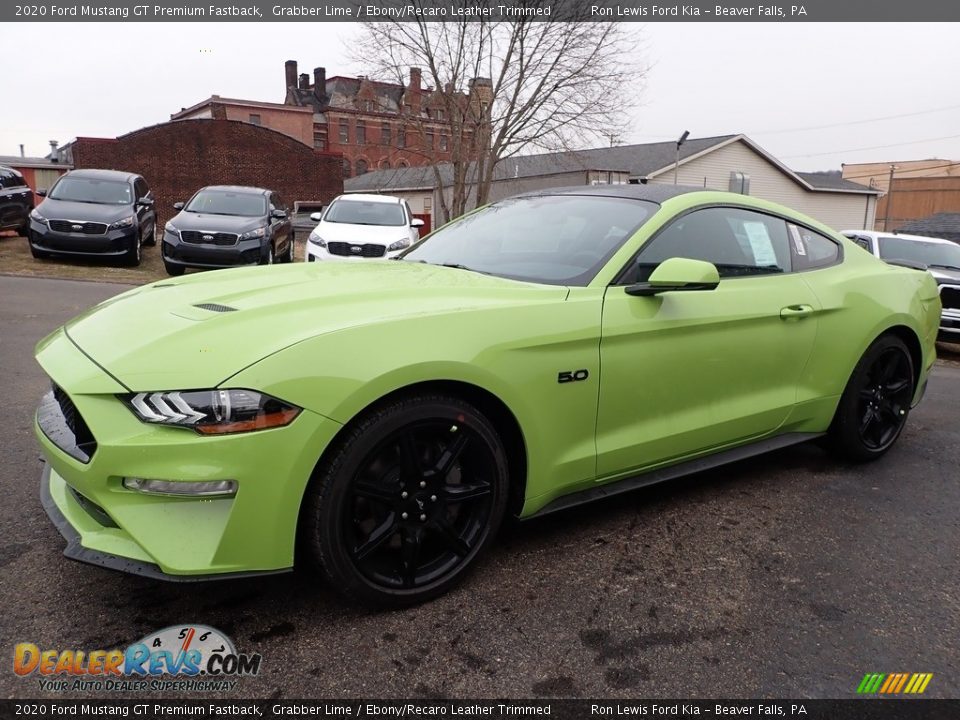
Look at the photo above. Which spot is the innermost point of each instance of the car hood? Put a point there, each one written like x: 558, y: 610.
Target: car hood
x: 216, y: 223
x: 88, y: 212
x: 945, y: 276
x: 195, y: 332
x: 360, y: 234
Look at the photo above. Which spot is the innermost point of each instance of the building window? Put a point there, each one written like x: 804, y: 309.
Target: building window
x: 427, y: 205
x: 385, y: 134
x: 320, y: 139
x: 361, y: 167
x: 344, y: 132
x: 403, y: 164
x: 428, y: 140
x: 361, y: 134
x: 444, y: 142
x: 438, y: 114
x: 384, y: 164
x: 346, y: 168
x: 254, y: 119
x: 401, y: 137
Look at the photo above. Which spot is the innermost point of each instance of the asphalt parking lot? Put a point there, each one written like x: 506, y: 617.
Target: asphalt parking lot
x: 788, y: 575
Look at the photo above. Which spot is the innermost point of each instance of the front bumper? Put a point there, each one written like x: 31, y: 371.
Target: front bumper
x: 203, y: 255
x: 110, y: 244
x: 173, y: 537
x: 315, y: 253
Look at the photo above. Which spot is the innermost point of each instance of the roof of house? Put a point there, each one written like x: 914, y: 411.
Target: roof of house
x: 40, y: 162
x: 830, y: 180
x: 639, y: 161
x: 942, y: 225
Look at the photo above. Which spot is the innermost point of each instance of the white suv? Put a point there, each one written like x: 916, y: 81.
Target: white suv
x: 941, y: 258
x: 358, y: 227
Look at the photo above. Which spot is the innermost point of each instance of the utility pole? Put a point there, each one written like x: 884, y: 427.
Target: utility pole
x: 676, y: 164
x: 886, y: 215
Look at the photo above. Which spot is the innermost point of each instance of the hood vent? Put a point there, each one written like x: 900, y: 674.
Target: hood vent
x: 215, y: 307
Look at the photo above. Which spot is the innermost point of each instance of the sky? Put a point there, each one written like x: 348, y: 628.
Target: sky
x: 815, y: 95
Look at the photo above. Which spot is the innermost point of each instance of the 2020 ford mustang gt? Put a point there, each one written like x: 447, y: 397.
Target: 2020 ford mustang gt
x: 539, y: 352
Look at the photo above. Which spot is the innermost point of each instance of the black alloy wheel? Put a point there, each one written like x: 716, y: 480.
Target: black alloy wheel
x: 415, y: 494
x: 876, y: 402
x: 152, y: 240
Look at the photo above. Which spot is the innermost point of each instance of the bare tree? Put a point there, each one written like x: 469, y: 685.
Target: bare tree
x: 508, y: 86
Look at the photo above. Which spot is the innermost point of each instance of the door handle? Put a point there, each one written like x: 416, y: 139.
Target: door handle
x: 795, y: 311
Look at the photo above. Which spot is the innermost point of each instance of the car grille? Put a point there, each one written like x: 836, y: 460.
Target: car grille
x: 348, y: 250
x: 60, y: 421
x: 208, y: 238
x: 950, y: 296
x: 85, y: 228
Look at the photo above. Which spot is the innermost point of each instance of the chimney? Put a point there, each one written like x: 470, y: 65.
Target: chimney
x: 304, y: 81
x: 290, y: 69
x: 319, y: 83
x: 415, y: 79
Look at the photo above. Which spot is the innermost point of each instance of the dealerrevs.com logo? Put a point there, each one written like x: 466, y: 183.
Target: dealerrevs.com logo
x: 177, y: 658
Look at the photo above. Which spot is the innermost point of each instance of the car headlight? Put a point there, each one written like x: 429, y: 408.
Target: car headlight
x: 169, y: 227
x: 212, y: 412
x: 37, y: 217
x: 399, y: 245
x: 316, y: 239
x: 123, y: 223
x: 258, y: 233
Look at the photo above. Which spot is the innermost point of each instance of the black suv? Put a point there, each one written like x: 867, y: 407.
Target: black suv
x: 16, y: 201
x: 94, y: 212
x: 228, y: 225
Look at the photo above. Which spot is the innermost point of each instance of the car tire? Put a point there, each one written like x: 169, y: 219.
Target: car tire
x: 152, y: 240
x: 173, y: 270
x: 403, y: 505
x: 268, y: 260
x: 875, y: 404
x: 288, y: 256
x: 132, y: 256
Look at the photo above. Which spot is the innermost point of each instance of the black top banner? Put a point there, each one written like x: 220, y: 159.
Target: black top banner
x: 477, y: 10
x: 866, y: 709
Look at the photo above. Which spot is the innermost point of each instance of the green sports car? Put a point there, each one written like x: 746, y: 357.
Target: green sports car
x: 543, y: 351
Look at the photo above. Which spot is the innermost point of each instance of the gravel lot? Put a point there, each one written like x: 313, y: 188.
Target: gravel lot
x: 788, y: 575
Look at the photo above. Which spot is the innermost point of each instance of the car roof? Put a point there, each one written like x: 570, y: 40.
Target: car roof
x: 874, y: 234
x: 363, y: 197
x: 653, y: 192
x: 237, y: 188
x: 103, y: 174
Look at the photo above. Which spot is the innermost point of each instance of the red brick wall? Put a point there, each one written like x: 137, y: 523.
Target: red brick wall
x: 178, y: 158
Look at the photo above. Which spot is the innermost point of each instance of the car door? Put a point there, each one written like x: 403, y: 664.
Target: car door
x: 686, y: 372
x: 16, y: 199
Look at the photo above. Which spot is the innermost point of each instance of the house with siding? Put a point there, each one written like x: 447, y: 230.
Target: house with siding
x: 726, y: 162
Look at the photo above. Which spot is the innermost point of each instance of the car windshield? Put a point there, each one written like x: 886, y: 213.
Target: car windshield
x: 92, y: 190
x: 226, y: 202
x: 362, y: 212
x: 918, y: 251
x: 553, y: 239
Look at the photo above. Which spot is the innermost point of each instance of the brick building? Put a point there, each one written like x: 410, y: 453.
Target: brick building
x: 375, y: 125
x: 178, y: 158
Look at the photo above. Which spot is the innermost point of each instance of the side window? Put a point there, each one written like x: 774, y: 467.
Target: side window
x: 811, y: 249
x: 278, y: 202
x: 140, y: 188
x: 739, y: 242
x: 7, y: 179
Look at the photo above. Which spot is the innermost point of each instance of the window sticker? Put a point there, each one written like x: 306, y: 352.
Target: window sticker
x: 797, y: 240
x: 760, y: 243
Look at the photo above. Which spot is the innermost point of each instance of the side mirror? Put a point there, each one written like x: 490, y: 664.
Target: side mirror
x: 278, y: 214
x: 316, y: 216
x: 42, y: 192
x: 178, y: 206
x: 417, y: 223
x: 678, y: 275
x: 145, y: 201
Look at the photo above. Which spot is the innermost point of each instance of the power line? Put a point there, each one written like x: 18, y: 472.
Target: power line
x: 900, y: 172
x: 854, y: 122
x: 872, y: 147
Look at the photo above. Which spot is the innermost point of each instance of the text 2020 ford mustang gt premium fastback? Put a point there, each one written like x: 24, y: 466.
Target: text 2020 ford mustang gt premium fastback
x: 539, y: 352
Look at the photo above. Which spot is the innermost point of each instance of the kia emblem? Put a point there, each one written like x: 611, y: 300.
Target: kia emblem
x: 356, y: 249
x: 76, y: 227
x: 208, y: 238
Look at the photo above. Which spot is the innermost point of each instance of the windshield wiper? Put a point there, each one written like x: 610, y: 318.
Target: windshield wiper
x: 945, y: 267
x: 455, y: 266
